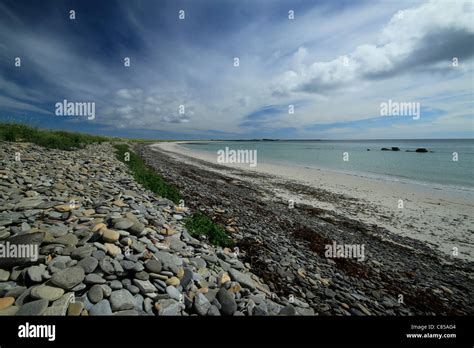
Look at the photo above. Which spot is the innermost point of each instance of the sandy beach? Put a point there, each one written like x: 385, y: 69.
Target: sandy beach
x: 436, y: 215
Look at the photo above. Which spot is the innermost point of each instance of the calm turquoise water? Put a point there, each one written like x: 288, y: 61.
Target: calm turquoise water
x: 434, y: 167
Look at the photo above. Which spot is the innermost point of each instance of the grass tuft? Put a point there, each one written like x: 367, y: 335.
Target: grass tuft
x: 200, y: 224
x: 145, y: 175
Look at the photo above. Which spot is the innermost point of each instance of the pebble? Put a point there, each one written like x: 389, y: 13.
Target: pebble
x: 28, y: 203
x: 288, y: 310
x: 35, y: 273
x: 112, y: 249
x: 37, y: 307
x: 69, y: 277
x: 213, y: 311
x: 122, y: 300
x: 16, y: 291
x: 169, y: 261
x: 82, y: 252
x: 4, y: 275
x: 101, y: 308
x: 123, y: 224
x: 60, y: 306
x: 68, y: 240
x: 201, y: 304
x: 107, y: 290
x: 89, y: 264
x: 110, y: 235
x: 142, y: 275
x: 173, y: 281
x: 75, y: 309
x: 173, y: 292
x: 144, y: 285
x: 153, y: 266
x: 242, y: 278
x: 106, y: 266
x: 95, y: 293
x: 6, y: 302
x: 169, y: 307
x: 187, y: 278
x: 94, y: 278
x: 227, y: 301
x: 46, y: 292
x: 9, y: 311
x: 133, y: 289
x: 116, y: 285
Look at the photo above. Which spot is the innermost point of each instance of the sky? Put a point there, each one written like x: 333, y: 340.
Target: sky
x: 306, y: 69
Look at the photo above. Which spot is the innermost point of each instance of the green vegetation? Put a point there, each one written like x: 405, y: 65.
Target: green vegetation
x: 199, y: 224
x: 61, y: 140
x: 145, y: 175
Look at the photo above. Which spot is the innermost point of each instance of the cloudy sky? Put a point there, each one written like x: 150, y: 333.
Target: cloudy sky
x: 335, y: 63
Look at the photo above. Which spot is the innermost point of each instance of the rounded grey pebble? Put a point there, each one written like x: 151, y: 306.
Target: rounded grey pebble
x: 95, y: 294
x: 116, y: 285
x: 33, y: 308
x: 101, y: 308
x: 133, y: 289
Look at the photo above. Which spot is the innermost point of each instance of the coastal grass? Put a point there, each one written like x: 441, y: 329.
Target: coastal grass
x: 145, y: 175
x: 61, y: 140
x: 200, y: 224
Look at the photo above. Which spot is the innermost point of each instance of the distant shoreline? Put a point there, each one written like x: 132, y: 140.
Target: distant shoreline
x: 311, y: 140
x: 434, y: 214
x: 354, y: 172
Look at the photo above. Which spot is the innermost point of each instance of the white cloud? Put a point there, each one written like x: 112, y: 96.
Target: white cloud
x: 401, y: 38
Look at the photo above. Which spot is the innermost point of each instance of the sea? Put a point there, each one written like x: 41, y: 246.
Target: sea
x: 448, y: 161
